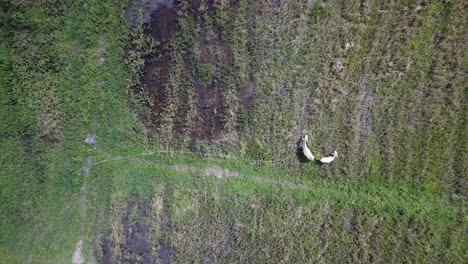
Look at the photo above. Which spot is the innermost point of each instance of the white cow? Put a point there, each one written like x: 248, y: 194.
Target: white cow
x: 330, y: 158
x: 307, y: 153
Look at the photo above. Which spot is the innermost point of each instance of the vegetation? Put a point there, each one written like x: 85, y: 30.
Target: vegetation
x: 384, y: 83
x: 380, y: 82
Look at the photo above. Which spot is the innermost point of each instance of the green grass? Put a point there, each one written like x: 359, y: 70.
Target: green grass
x: 194, y: 202
x: 42, y: 221
x: 189, y: 195
x: 148, y: 171
x: 370, y: 205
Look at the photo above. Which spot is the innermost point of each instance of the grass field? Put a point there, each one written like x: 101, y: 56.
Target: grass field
x: 194, y: 121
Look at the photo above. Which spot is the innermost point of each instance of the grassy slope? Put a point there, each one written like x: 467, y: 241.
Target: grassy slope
x: 266, y: 213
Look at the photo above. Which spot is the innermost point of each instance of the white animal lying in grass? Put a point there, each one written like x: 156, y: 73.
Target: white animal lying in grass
x: 330, y: 158
x: 307, y: 153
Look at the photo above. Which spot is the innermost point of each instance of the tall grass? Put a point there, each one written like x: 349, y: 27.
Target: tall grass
x: 371, y: 205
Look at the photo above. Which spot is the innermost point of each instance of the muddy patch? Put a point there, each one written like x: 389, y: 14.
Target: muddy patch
x: 164, y: 253
x: 201, y: 114
x: 209, y: 86
x: 136, y: 232
x: 106, y: 252
x: 154, y: 5
x: 139, y: 243
x: 162, y: 27
x: 141, y: 11
x: 210, y: 122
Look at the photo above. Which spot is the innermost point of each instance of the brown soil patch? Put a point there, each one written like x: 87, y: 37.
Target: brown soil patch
x: 216, y: 55
x: 210, y: 122
x: 163, y: 26
x: 136, y: 247
x: 136, y: 234
x: 201, y: 114
x: 106, y: 252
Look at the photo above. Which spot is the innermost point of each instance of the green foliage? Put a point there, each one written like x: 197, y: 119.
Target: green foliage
x: 206, y: 73
x: 50, y: 90
x: 140, y: 46
x: 270, y: 209
x: 256, y: 151
x: 320, y: 11
x: 395, y: 114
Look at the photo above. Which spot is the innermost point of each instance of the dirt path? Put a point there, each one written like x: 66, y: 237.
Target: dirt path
x: 78, y: 257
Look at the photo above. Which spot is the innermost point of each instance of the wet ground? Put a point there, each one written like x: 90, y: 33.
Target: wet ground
x: 162, y: 27
x: 137, y: 240
x: 207, y: 119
